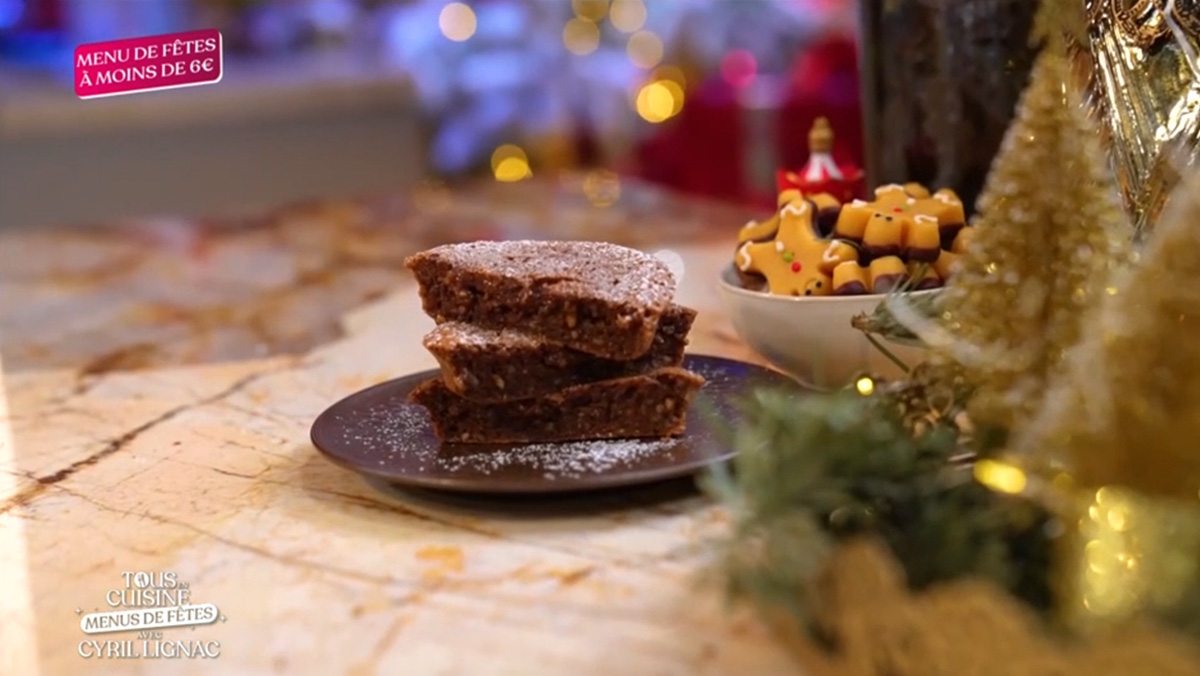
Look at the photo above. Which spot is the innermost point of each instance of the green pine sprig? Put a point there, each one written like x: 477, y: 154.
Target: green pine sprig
x: 813, y: 469
x: 883, y: 322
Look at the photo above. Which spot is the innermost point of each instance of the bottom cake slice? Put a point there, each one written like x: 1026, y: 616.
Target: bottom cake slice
x: 650, y: 405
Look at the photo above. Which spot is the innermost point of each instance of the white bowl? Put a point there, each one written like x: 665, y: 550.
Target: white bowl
x: 810, y: 337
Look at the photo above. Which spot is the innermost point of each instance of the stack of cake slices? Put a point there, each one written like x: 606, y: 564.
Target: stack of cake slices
x: 552, y: 341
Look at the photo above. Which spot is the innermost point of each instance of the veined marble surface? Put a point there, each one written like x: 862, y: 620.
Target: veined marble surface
x: 169, y: 291
x: 158, y: 386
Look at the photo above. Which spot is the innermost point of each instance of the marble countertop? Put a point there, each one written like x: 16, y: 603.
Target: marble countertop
x: 159, y: 380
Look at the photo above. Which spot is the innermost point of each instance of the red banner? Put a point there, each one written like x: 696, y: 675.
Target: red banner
x: 148, y: 63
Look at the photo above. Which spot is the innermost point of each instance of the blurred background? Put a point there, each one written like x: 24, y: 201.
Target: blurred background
x: 333, y: 98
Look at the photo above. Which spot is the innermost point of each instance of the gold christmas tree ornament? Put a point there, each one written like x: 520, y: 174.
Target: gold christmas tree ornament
x: 1127, y: 409
x: 1049, y: 235
x: 1117, y: 431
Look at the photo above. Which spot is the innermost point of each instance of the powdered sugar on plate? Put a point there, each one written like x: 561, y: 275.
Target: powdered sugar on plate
x: 386, y: 427
x: 571, y: 459
x: 392, y: 430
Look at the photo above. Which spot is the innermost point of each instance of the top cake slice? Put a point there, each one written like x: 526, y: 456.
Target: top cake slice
x: 594, y: 297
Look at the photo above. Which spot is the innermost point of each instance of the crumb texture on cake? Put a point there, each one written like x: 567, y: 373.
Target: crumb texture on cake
x: 650, y: 405
x: 594, y: 297
x: 490, y: 365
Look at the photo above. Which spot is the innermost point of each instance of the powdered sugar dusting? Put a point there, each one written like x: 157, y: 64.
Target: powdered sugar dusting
x: 383, y: 427
x: 396, y: 430
x: 592, y: 269
x: 385, y: 431
x: 572, y: 459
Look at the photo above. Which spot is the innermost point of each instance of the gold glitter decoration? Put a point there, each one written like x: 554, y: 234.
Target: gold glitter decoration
x: 1127, y: 410
x: 1145, y: 85
x: 1129, y: 555
x: 1048, y: 237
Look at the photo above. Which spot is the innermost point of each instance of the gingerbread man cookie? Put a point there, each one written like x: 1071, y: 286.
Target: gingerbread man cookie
x: 793, y: 262
x: 900, y: 220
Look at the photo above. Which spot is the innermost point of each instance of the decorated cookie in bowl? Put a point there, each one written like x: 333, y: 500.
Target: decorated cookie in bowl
x: 905, y: 237
x: 796, y: 282
x: 796, y: 262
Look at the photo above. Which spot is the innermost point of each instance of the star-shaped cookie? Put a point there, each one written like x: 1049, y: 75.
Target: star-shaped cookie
x: 796, y: 262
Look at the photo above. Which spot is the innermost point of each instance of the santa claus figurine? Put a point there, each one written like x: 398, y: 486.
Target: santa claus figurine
x: 822, y: 173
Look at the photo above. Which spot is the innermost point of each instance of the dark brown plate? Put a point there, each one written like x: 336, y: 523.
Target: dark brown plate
x: 376, y: 432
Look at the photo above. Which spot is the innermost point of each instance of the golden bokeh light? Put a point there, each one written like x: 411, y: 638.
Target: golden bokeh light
x: 506, y: 151
x: 627, y: 16
x: 581, y: 36
x: 656, y: 101
x: 1110, y: 584
x: 645, y: 49
x: 592, y: 10
x: 457, y: 21
x: 1130, y: 556
x: 512, y: 169
x: 865, y: 386
x: 676, y: 95
x: 1000, y: 476
x: 510, y: 164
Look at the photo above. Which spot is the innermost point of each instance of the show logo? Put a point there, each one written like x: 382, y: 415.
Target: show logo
x: 148, y: 608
